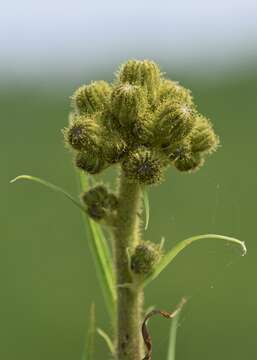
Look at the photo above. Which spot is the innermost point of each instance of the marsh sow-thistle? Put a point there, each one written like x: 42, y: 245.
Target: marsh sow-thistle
x: 143, y: 125
x: 142, y: 121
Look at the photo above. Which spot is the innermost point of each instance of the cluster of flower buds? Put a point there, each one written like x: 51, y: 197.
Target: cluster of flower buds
x: 142, y: 121
x: 100, y: 202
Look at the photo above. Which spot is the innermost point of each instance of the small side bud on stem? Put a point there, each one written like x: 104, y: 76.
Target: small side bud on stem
x: 146, y: 255
x: 100, y: 202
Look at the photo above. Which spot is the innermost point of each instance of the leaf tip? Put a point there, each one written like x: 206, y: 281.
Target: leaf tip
x: 244, y: 248
x: 20, y: 177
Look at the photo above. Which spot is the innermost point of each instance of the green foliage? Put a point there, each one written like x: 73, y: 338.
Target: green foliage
x: 90, y: 341
x: 147, y: 208
x: 171, y: 355
x: 107, y: 340
x: 103, y: 260
x: 170, y: 255
x: 97, y: 242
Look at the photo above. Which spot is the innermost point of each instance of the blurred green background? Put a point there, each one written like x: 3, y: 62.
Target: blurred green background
x: 48, y: 279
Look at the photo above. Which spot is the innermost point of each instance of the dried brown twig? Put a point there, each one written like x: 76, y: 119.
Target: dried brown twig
x: 145, y: 333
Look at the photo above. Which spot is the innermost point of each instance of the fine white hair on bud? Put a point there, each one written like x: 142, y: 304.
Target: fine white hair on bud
x: 88, y: 99
x: 144, y: 73
x: 174, y: 121
x: 127, y: 102
x: 89, y: 162
x: 145, y: 256
x: 144, y: 166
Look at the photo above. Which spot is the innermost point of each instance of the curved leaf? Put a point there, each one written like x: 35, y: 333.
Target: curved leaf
x: 107, y: 340
x: 101, y: 254
x: 169, y: 256
x: 90, y: 341
x: 147, y: 208
x: 97, y: 243
x: 50, y: 186
x: 173, y: 336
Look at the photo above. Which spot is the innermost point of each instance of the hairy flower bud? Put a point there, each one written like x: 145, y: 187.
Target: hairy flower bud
x: 89, y: 162
x: 84, y: 133
x: 177, y: 150
x: 144, y: 73
x: 189, y: 162
x: 144, y: 166
x: 203, y: 138
x: 114, y: 148
x: 97, y: 194
x: 144, y: 129
x: 172, y: 90
x: 146, y: 255
x: 174, y: 121
x: 127, y: 102
x: 99, y: 202
x: 88, y: 99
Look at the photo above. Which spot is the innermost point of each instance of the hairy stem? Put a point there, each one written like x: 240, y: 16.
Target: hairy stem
x: 130, y: 299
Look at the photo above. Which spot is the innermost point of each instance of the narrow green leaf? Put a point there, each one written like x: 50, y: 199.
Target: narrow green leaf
x: 90, y: 341
x: 50, y: 186
x: 97, y: 243
x: 107, y: 340
x: 169, y: 256
x: 101, y: 254
x: 147, y: 208
x: 173, y: 336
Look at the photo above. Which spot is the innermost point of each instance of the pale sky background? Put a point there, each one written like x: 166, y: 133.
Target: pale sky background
x: 61, y: 38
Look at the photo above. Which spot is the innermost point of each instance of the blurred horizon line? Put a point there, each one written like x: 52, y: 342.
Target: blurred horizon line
x: 95, y: 71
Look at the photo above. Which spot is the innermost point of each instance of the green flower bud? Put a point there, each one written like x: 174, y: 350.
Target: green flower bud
x: 177, y: 150
x: 110, y: 122
x: 100, y: 202
x: 172, y: 90
x: 84, y: 133
x: 89, y: 162
x: 174, y: 121
x: 189, y: 162
x: 88, y: 99
x: 144, y: 166
x: 112, y: 202
x: 144, y: 129
x: 95, y: 195
x: 203, y: 138
x: 114, y: 147
x: 144, y: 73
x: 146, y: 255
x: 127, y: 102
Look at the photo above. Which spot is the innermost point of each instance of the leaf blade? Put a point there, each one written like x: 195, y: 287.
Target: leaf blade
x: 101, y: 255
x: 168, y: 257
x: 147, y: 208
x: 90, y: 341
x: 97, y: 243
x: 171, y: 355
x: 50, y: 186
x: 107, y: 340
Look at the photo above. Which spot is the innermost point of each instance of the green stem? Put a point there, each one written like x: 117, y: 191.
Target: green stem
x: 130, y: 299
